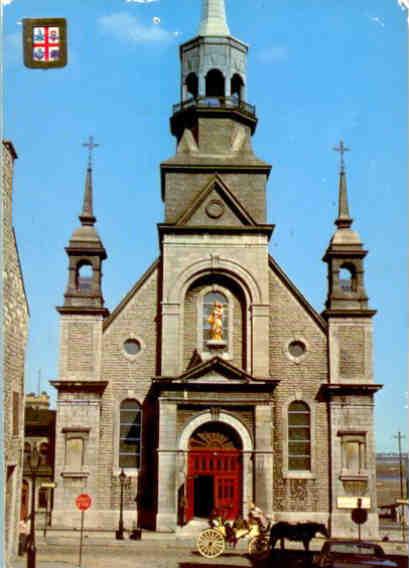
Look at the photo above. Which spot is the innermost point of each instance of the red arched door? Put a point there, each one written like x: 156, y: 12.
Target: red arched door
x: 214, y: 476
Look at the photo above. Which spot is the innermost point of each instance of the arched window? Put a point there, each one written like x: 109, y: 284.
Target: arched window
x: 237, y: 86
x: 192, y: 84
x: 215, y: 83
x: 215, y: 318
x: 130, y: 434
x: 347, y: 278
x: 84, y: 277
x: 299, y: 436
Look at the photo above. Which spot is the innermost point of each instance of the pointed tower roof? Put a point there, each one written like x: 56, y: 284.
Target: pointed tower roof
x: 344, y: 234
x: 87, y: 215
x: 213, y: 21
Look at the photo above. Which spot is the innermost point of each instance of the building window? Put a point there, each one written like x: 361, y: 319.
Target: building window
x: 215, y: 318
x: 43, y: 498
x: 44, y: 455
x: 299, y: 437
x: 192, y: 85
x: 132, y: 347
x: 27, y: 453
x: 215, y: 83
x: 16, y: 412
x: 130, y: 434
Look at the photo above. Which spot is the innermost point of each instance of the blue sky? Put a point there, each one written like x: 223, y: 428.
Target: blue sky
x: 318, y: 71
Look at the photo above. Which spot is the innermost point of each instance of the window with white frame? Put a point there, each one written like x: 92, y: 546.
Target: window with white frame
x: 130, y: 434
x: 299, y: 437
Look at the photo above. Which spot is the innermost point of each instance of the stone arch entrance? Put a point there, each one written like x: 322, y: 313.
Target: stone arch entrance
x: 217, y: 465
x: 214, y: 476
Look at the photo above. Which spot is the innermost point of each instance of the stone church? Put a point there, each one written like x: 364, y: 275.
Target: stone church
x: 214, y: 383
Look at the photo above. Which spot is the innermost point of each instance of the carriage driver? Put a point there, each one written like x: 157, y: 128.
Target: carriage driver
x: 258, y: 516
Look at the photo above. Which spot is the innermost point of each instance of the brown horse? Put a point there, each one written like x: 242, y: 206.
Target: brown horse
x: 303, y: 532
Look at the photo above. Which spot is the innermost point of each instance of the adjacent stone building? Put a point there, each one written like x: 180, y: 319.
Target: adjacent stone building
x: 15, y: 329
x: 39, y: 433
x: 214, y: 382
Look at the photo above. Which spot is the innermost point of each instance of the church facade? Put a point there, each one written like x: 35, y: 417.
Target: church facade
x: 214, y: 383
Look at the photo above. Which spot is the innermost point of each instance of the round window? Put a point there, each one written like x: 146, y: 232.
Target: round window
x: 296, y: 349
x: 132, y: 346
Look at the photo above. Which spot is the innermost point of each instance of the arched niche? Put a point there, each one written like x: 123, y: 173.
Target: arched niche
x: 215, y: 83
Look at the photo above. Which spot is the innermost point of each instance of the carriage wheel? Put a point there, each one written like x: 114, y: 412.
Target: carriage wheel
x: 210, y: 543
x: 258, y: 547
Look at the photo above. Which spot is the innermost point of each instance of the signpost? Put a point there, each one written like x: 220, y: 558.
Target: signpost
x: 359, y: 516
x: 83, y: 502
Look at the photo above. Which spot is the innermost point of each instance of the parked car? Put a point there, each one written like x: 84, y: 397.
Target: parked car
x: 352, y: 554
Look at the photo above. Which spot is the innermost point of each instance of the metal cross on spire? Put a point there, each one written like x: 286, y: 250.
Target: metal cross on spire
x: 341, y: 149
x: 90, y: 145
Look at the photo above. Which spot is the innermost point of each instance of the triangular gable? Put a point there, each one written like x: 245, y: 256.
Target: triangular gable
x: 130, y: 294
x: 297, y: 294
x: 208, y: 371
x: 195, y: 360
x: 217, y: 188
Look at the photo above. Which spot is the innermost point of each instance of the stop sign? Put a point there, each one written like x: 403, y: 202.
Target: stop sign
x: 83, y: 502
x: 359, y: 516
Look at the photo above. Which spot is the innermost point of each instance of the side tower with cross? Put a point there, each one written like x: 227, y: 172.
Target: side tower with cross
x: 351, y: 388
x: 79, y: 386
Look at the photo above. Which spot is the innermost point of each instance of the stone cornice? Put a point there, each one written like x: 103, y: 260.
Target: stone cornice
x: 78, y: 386
x: 341, y: 389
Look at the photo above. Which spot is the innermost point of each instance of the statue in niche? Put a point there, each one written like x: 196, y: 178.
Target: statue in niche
x: 216, y: 322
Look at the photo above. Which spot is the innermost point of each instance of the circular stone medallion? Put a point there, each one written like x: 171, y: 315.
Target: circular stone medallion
x: 215, y: 208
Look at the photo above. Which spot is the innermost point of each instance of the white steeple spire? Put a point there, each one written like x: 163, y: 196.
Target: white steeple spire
x: 213, y: 22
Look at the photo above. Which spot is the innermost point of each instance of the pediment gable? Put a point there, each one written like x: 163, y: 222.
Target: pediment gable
x: 215, y: 370
x: 215, y: 204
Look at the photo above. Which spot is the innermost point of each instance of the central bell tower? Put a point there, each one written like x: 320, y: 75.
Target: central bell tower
x: 214, y: 238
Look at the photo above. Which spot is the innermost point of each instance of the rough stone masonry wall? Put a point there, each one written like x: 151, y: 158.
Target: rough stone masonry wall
x: 127, y: 377
x: 289, y: 321
x: 15, y: 324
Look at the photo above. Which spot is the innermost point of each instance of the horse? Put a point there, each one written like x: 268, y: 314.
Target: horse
x: 303, y: 532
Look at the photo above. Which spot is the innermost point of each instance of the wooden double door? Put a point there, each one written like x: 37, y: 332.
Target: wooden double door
x: 214, y: 482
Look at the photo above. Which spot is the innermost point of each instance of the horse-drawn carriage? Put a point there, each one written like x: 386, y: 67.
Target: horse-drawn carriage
x: 212, y: 541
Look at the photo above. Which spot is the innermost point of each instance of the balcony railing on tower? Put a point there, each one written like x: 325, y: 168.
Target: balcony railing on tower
x: 232, y: 102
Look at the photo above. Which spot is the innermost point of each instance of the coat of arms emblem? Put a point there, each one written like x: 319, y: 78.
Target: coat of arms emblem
x: 45, y: 42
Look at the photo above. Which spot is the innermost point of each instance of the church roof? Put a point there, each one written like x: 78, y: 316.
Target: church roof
x: 113, y: 315
x: 297, y: 294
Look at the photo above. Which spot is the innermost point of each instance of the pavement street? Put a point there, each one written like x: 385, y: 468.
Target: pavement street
x: 162, y: 555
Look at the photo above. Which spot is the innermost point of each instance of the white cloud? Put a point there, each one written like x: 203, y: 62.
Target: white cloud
x: 127, y: 28
x: 273, y: 53
x: 6, y: 2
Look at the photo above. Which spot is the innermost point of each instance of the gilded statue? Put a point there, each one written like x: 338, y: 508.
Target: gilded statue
x: 216, y: 322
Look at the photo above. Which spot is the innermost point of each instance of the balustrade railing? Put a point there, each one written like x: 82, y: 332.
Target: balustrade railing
x: 232, y: 102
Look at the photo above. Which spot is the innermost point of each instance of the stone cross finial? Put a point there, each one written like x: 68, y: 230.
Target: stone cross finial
x: 213, y: 21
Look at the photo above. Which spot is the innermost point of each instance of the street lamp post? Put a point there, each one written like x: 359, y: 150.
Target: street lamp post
x: 120, y: 532
x: 34, y: 462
